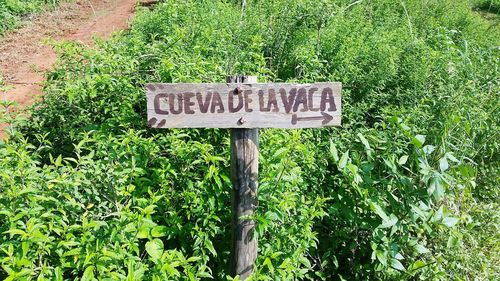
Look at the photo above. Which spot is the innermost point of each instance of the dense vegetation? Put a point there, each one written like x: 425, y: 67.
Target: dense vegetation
x: 407, y: 188
x: 492, y: 6
x: 12, y: 12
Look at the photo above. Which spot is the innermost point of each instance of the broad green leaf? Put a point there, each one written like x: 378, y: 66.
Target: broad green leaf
x: 303, y: 260
x: 58, y: 161
x: 279, y: 152
x: 352, y: 168
x: 193, y: 259
x: 25, y: 245
x: 390, y: 222
x: 399, y: 257
x: 450, y: 221
x: 397, y: 265
x: 364, y: 141
x: 130, y: 271
x: 452, y: 158
x: 418, y: 140
x: 204, y: 274
x: 452, y: 241
x: 58, y: 273
x: 436, y: 187
x: 155, y: 248
x: 208, y: 244
x: 420, y: 249
x: 381, y: 256
x: 143, y: 232
x: 378, y: 210
x: 418, y: 264
x: 343, y: 160
x: 88, y: 274
x: 428, y: 149
x: 443, y: 164
x: 403, y: 160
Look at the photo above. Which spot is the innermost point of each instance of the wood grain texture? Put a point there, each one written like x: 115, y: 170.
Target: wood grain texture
x: 244, y: 176
x: 244, y: 105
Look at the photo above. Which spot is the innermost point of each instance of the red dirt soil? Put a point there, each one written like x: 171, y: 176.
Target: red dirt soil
x: 24, y: 58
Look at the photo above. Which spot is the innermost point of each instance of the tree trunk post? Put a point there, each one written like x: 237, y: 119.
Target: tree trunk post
x: 244, y: 177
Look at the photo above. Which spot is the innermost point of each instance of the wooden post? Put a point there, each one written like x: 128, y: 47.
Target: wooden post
x: 244, y: 176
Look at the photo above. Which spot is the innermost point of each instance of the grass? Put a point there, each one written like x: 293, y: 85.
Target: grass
x: 14, y: 12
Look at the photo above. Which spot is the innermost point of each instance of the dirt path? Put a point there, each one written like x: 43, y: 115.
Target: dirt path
x: 24, y: 58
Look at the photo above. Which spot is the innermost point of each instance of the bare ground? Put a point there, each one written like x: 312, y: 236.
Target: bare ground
x: 24, y: 58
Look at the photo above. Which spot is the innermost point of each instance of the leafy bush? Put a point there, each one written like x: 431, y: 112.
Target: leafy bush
x: 402, y: 190
x: 492, y: 6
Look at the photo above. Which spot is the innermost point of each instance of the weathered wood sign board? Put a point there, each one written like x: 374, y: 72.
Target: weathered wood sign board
x: 246, y: 105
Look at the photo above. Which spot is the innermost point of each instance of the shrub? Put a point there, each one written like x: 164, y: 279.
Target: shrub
x: 395, y: 193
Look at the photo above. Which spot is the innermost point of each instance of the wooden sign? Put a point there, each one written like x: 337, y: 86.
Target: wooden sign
x: 244, y: 105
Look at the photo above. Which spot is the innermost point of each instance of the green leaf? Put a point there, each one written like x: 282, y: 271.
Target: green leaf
x: 208, y: 244
x: 420, y: 249
x: 58, y: 273
x: 352, y: 168
x: 159, y: 231
x: 378, y: 210
x: 278, y: 154
x: 452, y: 241
x: 333, y: 151
x: 170, y: 268
x: 149, y: 210
x: 389, y: 222
x: 381, y: 256
x: 343, y: 160
x: 155, y: 248
x: 418, y: 264
x: 269, y: 264
x: 450, y: 221
x: 73, y: 252
x: 58, y: 161
x: 443, y: 164
x: 397, y: 265
x: 193, y: 259
x: 303, y: 260
x: 451, y: 157
x: 429, y: 149
x: 88, y: 274
x: 403, y: 159
x: 130, y: 271
x: 418, y: 140
x: 439, y: 191
x: 436, y: 187
x: 143, y: 232
x: 204, y: 274
x: 15, y: 231
x: 399, y: 257
x: 364, y: 141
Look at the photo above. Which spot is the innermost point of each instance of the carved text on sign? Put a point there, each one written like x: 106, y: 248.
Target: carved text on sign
x: 276, y: 105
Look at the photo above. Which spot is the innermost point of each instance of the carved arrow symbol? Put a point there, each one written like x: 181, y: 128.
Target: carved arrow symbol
x: 324, y: 116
